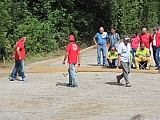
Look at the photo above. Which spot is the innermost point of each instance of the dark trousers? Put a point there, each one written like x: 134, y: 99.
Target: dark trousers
x: 154, y: 53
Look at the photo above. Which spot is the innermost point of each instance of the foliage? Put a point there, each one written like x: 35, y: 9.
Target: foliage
x: 47, y: 23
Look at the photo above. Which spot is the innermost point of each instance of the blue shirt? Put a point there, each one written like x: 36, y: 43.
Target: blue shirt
x: 124, y: 51
x: 101, y: 38
x: 113, y: 38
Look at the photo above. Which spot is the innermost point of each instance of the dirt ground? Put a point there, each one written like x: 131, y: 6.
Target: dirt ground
x: 98, y: 97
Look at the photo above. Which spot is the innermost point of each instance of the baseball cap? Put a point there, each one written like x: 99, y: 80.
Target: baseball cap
x: 126, y: 37
x: 71, y: 38
x: 155, y: 28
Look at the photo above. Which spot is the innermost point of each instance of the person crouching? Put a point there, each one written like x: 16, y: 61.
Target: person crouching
x: 112, y: 58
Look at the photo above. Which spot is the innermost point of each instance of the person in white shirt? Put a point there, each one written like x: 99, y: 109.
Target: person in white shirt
x: 124, y: 60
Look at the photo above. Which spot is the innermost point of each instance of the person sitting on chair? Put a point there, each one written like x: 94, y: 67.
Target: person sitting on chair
x: 112, y: 58
x: 142, y: 55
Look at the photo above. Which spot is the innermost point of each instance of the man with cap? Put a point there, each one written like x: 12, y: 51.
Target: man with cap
x: 156, y: 46
x: 124, y: 60
x: 73, y: 55
x: 100, y: 41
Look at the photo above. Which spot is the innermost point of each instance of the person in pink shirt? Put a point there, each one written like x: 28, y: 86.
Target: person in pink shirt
x: 135, y: 40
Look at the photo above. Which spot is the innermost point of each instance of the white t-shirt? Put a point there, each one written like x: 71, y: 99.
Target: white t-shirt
x: 154, y: 40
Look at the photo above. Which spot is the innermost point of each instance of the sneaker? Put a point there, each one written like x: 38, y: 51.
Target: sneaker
x: 25, y: 80
x: 11, y: 79
x: 128, y: 85
x: 98, y: 64
x: 118, y: 80
x: 137, y: 68
x: 158, y: 68
x: 147, y: 68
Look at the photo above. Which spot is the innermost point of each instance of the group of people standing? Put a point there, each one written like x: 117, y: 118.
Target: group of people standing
x: 132, y: 50
x: 115, y: 53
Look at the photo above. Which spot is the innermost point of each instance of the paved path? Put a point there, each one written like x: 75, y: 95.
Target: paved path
x: 98, y: 97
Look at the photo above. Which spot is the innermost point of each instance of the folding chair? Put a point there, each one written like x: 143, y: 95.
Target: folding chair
x: 143, y: 65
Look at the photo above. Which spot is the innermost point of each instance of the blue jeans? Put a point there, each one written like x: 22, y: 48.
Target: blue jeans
x: 72, y: 74
x: 133, y: 52
x: 157, y: 56
x: 19, y: 64
x: 103, y: 49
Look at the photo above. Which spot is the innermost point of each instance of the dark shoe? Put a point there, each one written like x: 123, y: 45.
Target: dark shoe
x: 118, y: 80
x: 128, y: 85
x: 69, y: 85
x: 158, y: 68
x: 74, y: 86
x: 107, y: 66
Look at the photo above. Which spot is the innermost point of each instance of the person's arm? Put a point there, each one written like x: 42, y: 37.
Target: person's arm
x: 94, y: 39
x: 107, y: 57
x: 139, y: 42
x: 18, y: 52
x: 148, y: 54
x: 119, y: 60
x: 119, y: 39
x: 119, y: 55
x: 14, y: 47
x: 78, y: 61
x: 115, y: 58
x: 65, y: 57
x: 137, y: 54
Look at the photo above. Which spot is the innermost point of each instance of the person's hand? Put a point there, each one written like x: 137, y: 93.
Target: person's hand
x: 96, y: 44
x: 64, y: 62
x: 20, y: 58
x: 110, y: 60
x: 119, y: 64
x: 78, y: 64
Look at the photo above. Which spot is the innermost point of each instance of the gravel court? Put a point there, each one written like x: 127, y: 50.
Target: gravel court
x: 98, y: 97
x: 88, y: 58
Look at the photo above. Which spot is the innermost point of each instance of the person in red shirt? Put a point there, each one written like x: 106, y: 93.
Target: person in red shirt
x: 73, y: 55
x: 19, y: 56
x: 156, y: 43
x: 145, y: 37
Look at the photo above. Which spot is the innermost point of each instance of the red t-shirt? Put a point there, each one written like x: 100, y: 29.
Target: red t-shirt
x: 72, y: 48
x: 146, y: 38
x: 19, y: 44
x: 134, y: 42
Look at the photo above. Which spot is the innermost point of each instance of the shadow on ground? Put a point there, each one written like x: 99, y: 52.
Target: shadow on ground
x: 92, y: 64
x: 61, y: 84
x: 115, y: 83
